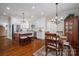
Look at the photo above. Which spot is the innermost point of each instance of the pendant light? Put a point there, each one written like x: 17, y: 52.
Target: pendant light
x: 23, y: 18
x: 57, y: 20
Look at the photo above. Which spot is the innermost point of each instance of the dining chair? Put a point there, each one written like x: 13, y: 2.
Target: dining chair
x: 53, y: 42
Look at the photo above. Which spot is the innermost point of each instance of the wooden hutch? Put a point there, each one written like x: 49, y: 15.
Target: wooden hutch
x: 71, y: 30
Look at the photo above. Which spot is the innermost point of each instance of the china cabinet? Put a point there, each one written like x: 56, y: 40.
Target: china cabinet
x: 71, y: 30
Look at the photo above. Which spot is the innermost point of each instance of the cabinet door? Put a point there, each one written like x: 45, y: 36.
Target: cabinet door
x: 75, y: 26
x: 70, y: 26
x: 66, y: 26
x: 71, y: 39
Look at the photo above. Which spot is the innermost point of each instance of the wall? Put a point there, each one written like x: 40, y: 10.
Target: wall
x: 4, y: 20
x: 39, y: 25
x: 51, y: 27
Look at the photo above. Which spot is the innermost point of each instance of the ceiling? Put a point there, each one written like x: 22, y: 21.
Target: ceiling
x: 36, y: 9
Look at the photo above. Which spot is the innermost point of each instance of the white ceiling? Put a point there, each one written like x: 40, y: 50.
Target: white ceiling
x: 48, y: 9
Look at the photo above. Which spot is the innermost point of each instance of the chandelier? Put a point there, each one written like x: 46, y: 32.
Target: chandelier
x: 23, y: 21
x: 57, y: 20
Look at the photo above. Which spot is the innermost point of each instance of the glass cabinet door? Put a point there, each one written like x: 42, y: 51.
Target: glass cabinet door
x: 66, y: 26
x: 70, y: 26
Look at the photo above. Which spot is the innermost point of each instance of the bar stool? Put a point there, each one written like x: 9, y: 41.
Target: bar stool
x: 23, y: 40
x: 30, y: 38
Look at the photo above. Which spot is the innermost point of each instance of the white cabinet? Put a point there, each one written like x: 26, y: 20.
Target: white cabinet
x: 41, y: 35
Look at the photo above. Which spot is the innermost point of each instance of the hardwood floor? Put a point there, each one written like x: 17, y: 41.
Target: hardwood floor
x: 26, y: 50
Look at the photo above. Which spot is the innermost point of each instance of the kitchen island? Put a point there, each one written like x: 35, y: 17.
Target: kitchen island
x: 19, y: 36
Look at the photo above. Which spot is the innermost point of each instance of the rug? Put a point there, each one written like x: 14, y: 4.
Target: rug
x: 66, y: 52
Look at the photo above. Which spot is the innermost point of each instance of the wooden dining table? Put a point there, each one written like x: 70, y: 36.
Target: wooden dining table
x: 62, y: 39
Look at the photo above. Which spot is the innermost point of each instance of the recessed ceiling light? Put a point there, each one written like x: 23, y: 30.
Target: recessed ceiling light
x: 42, y: 13
x: 33, y: 7
x: 32, y: 16
x: 4, y: 13
x: 8, y: 8
x: 22, y: 10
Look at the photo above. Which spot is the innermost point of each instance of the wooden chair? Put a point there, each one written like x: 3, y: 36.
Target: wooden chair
x: 23, y: 40
x: 53, y: 42
x: 30, y: 37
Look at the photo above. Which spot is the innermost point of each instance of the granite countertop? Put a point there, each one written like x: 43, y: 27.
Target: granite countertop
x: 23, y: 32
